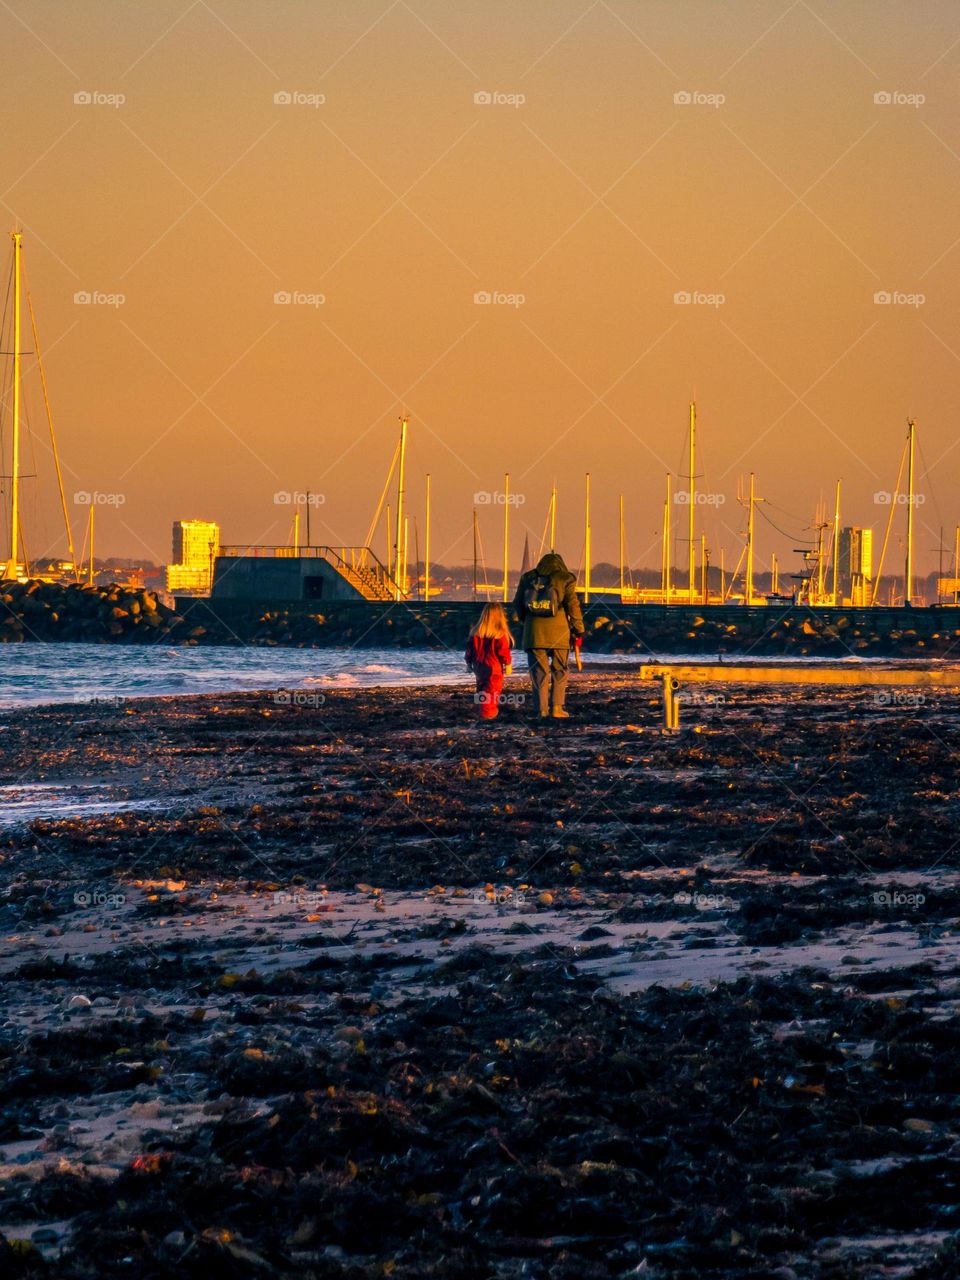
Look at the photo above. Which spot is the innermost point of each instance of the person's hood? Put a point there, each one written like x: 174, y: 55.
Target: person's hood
x: 550, y: 564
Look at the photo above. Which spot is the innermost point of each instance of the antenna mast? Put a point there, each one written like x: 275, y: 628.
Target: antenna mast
x: 908, y: 573
x: 506, y: 531
x: 691, y: 497
x: 12, y: 563
x: 399, y: 551
x: 586, y: 547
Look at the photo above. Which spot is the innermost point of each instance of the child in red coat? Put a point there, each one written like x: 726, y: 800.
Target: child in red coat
x: 488, y: 657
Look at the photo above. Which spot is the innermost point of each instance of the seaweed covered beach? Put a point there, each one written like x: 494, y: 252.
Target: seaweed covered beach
x: 352, y: 985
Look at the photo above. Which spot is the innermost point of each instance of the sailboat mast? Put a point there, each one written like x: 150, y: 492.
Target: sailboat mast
x: 476, y: 534
x: 692, y: 569
x: 750, y: 542
x: 586, y: 546
x: 836, y: 547
x: 621, y: 546
x: 405, y: 561
x: 426, y: 550
x: 398, y: 557
x: 90, y: 539
x: 12, y: 563
x: 506, y: 531
x: 908, y: 573
x: 553, y: 518
x: 666, y: 545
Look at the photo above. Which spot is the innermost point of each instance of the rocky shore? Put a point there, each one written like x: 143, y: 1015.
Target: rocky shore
x: 363, y: 988
x: 47, y: 611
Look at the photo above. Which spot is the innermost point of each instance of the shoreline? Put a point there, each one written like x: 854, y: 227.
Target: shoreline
x: 374, y: 956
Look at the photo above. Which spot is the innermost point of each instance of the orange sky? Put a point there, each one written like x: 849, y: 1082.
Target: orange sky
x: 597, y: 198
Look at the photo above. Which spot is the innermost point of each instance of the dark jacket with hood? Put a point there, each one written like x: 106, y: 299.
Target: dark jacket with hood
x: 550, y: 632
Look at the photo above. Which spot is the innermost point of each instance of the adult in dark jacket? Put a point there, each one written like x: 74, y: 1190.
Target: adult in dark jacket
x: 547, y: 605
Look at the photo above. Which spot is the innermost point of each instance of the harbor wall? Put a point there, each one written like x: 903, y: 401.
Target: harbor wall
x: 51, y: 612
x: 611, y: 627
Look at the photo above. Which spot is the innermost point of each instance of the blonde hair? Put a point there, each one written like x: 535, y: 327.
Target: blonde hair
x: 491, y: 623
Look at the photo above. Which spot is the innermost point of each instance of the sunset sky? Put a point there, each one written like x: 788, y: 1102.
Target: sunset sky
x: 386, y: 198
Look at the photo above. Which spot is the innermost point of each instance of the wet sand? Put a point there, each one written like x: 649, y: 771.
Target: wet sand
x: 363, y: 987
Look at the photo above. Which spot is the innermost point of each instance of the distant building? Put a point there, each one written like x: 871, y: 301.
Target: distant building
x: 855, y: 565
x: 196, y: 545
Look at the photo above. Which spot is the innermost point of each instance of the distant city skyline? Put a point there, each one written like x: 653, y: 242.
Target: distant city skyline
x: 255, y: 235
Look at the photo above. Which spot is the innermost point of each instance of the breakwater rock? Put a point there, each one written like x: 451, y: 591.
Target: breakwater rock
x: 611, y: 628
x: 48, y: 611
x: 36, y: 610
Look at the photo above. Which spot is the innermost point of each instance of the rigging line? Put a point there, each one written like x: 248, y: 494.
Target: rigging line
x: 927, y: 478
x: 886, y: 536
x: 792, y: 537
x: 53, y: 437
x: 368, y: 542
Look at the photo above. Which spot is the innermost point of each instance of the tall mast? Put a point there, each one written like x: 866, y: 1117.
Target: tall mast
x: 836, y: 547
x: 476, y: 534
x: 506, y: 531
x: 666, y: 545
x: 908, y: 575
x: 15, y: 472
x: 553, y: 518
x: 749, y: 592
x: 426, y: 550
x: 703, y: 568
x: 621, y: 546
x: 691, y: 496
x: 774, y: 575
x: 389, y: 545
x: 586, y: 546
x: 90, y: 539
x: 404, y: 561
x: 296, y: 533
x: 400, y: 494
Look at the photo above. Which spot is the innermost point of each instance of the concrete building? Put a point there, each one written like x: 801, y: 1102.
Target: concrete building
x: 855, y: 557
x: 196, y: 545
x: 287, y: 574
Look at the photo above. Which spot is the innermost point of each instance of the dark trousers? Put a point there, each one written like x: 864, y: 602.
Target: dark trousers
x: 548, y: 675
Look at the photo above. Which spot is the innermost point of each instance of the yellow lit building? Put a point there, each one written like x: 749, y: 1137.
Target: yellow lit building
x: 196, y: 545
